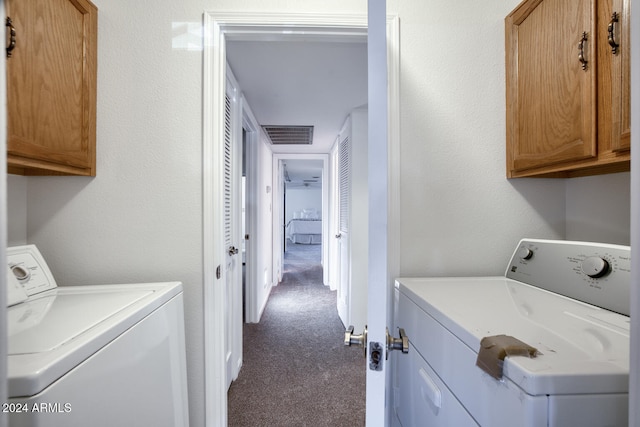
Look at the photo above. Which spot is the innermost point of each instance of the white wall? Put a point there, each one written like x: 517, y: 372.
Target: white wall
x: 598, y: 208
x: 17, y: 210
x: 266, y: 278
x: 140, y: 219
x: 4, y: 238
x: 298, y: 199
x: 634, y: 379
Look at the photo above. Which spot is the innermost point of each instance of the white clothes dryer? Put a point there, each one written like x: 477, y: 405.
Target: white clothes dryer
x: 567, y: 300
x: 98, y: 355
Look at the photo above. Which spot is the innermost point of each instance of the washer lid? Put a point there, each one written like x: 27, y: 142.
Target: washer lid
x: 584, y: 349
x: 51, y: 319
x: 61, y: 328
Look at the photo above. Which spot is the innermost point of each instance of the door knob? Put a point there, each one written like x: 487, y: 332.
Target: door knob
x: 233, y: 250
x: 376, y: 350
x: 339, y: 235
x: 351, y: 339
x: 401, y: 343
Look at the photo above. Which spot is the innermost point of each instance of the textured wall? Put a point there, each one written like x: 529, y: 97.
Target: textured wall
x: 17, y: 210
x: 264, y: 208
x: 140, y: 219
x: 303, y: 198
x: 459, y: 214
x: 598, y: 208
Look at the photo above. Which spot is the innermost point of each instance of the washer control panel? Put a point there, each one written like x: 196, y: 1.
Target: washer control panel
x: 15, y: 291
x: 595, y: 273
x: 29, y: 269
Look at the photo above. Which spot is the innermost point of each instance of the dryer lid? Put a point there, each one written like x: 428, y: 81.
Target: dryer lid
x: 584, y: 348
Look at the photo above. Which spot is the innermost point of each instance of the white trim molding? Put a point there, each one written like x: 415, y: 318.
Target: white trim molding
x: 222, y: 26
x: 634, y: 379
x: 278, y: 229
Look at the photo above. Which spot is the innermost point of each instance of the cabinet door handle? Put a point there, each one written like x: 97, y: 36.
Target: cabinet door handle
x: 581, y: 57
x: 12, y: 37
x: 611, y: 29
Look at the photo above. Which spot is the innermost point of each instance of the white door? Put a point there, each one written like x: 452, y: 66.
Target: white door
x: 344, y: 197
x: 333, y: 233
x: 279, y: 233
x: 232, y: 231
x: 381, y: 262
x: 378, y: 393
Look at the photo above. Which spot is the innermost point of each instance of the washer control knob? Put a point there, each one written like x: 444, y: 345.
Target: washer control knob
x: 525, y: 253
x: 595, y: 267
x: 23, y: 274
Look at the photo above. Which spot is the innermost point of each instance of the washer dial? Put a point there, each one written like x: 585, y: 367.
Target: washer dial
x: 22, y: 274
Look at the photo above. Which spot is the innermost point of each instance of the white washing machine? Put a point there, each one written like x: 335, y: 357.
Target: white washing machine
x: 99, y: 355
x: 567, y: 300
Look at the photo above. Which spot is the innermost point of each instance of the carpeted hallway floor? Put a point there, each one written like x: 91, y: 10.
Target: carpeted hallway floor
x: 296, y: 370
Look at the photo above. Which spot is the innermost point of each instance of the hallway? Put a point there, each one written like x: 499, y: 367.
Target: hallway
x: 296, y: 370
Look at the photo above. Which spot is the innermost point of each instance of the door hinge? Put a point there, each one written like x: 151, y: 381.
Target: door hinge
x: 218, y: 272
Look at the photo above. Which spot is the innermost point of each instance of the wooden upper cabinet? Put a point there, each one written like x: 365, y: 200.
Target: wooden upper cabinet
x: 565, y: 91
x: 51, y: 87
x: 617, y: 52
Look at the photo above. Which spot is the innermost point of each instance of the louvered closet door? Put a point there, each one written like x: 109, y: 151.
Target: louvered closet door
x: 231, y: 240
x: 344, y: 191
x: 228, y: 201
x: 228, y: 225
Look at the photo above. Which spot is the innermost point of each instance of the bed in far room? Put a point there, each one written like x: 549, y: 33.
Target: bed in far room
x: 305, y: 228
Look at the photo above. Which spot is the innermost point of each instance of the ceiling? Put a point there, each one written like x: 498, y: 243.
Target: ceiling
x: 295, y: 82
x: 300, y: 173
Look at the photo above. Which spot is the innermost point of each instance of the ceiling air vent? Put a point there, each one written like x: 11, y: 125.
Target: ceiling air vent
x: 285, y: 135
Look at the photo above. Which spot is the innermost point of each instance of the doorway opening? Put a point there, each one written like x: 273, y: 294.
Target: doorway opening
x: 295, y: 367
x: 302, y: 233
x: 217, y: 29
x: 301, y: 209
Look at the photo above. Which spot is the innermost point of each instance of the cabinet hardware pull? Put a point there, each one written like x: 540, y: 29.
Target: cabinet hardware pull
x: 581, y: 58
x: 12, y: 37
x: 611, y: 30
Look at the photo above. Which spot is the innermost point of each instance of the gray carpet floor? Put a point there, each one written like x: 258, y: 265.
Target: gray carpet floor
x: 296, y: 370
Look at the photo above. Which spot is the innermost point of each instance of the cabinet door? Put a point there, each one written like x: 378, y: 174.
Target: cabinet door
x: 551, y: 94
x: 51, y: 87
x: 618, y: 35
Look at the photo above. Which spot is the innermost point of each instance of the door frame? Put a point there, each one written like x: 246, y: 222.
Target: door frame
x: 634, y: 379
x: 218, y: 26
x: 278, y: 231
x: 252, y: 129
x: 3, y: 234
